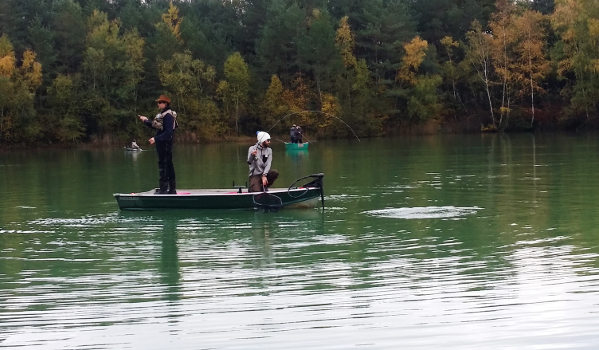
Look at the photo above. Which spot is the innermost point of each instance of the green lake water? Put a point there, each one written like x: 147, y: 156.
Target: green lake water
x: 443, y: 242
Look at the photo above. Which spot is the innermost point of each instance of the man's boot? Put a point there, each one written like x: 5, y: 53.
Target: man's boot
x: 163, y: 189
x: 172, y: 187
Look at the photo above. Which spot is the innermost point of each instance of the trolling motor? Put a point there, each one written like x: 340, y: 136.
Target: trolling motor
x: 317, y: 182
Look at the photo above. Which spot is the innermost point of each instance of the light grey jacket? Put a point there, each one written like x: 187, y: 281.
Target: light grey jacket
x: 261, y: 162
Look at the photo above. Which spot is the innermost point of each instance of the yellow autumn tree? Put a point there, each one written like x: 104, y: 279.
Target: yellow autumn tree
x: 173, y: 21
x: 7, y: 57
x: 421, y: 90
x: 297, y: 98
x: 532, y: 62
x: 7, y: 68
x: 503, y: 55
x: 274, y: 104
x: 17, y: 90
x: 415, y: 53
x: 345, y: 42
x: 31, y: 71
x: 331, y: 109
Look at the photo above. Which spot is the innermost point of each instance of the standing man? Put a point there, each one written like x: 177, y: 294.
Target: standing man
x: 292, y: 132
x: 298, y: 134
x: 260, y: 160
x: 164, y: 124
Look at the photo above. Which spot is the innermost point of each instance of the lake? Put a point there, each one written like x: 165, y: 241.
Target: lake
x: 455, y: 242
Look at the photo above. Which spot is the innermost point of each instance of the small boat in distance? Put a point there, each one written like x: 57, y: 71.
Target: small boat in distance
x: 131, y: 149
x: 305, y: 196
x: 296, y: 146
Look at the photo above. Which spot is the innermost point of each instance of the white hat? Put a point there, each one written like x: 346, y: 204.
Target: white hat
x: 263, y: 136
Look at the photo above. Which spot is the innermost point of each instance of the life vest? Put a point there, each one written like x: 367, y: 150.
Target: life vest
x: 157, y: 122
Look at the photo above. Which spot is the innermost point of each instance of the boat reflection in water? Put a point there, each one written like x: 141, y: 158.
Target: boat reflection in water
x: 296, y: 146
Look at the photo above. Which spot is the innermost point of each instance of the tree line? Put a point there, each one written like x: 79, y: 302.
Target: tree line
x: 76, y: 71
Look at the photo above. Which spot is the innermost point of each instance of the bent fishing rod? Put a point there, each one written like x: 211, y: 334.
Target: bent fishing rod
x: 309, y: 111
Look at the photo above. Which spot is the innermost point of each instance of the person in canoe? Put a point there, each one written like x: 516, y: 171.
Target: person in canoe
x: 298, y: 134
x: 134, y: 145
x: 260, y: 160
x: 292, y: 132
x: 164, y: 124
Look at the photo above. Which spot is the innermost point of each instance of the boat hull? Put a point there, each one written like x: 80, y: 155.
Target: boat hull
x: 221, y: 199
x: 296, y: 146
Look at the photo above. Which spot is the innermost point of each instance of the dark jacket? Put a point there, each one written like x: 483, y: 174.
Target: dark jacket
x: 166, y: 133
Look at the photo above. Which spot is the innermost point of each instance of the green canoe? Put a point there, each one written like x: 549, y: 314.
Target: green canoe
x: 296, y: 146
x: 305, y: 196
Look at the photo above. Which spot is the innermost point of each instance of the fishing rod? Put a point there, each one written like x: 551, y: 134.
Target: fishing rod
x: 308, y: 111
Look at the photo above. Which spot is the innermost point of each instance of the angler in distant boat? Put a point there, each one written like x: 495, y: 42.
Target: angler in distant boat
x: 260, y: 160
x: 164, y: 124
x: 135, y: 146
x: 292, y: 132
x: 298, y: 134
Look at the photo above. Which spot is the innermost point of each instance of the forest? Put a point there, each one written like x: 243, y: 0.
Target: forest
x: 80, y: 71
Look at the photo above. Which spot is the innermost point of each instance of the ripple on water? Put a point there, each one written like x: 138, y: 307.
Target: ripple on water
x: 423, y: 212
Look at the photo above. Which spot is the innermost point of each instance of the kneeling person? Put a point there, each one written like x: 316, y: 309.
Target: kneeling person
x: 260, y: 160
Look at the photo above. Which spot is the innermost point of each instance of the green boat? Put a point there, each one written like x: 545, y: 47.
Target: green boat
x: 305, y: 196
x: 296, y: 146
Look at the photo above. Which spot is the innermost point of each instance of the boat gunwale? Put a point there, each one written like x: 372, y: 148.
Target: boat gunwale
x: 215, y: 192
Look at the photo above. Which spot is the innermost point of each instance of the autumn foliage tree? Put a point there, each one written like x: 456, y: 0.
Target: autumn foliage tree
x: 532, y: 64
x: 422, y: 97
x: 577, y: 53
x: 67, y: 128
x: 18, y: 84
x: 503, y: 55
x: 275, y: 104
x: 190, y: 82
x: 234, y: 90
x: 478, y: 54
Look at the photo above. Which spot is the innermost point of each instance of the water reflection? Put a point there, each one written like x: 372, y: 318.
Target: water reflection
x: 262, y: 240
x: 134, y: 155
x: 297, y: 154
x: 169, y: 260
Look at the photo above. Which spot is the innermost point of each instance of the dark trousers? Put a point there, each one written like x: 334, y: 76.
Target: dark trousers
x: 256, y: 181
x: 166, y: 169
